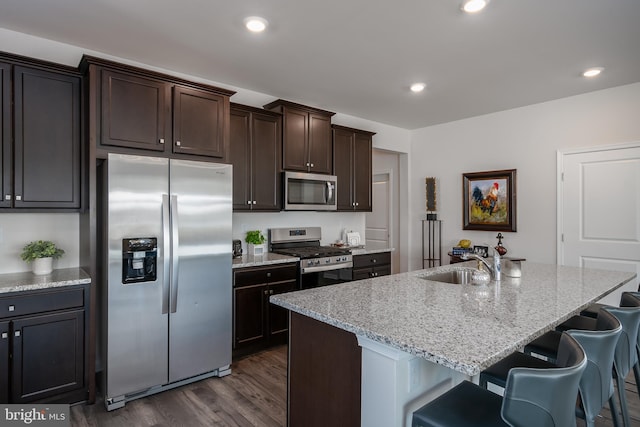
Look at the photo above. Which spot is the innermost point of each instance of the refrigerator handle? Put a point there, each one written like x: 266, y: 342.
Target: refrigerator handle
x: 175, y: 262
x: 166, y: 255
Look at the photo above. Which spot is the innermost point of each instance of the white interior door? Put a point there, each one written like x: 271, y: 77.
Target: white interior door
x: 599, y: 210
x: 378, y: 221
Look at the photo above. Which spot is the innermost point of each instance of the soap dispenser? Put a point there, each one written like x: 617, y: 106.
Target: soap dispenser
x: 496, y: 265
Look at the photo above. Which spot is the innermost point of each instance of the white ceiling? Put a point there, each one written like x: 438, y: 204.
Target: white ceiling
x: 358, y: 57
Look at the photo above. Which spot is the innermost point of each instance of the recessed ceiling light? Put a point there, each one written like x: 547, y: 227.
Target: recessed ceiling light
x: 473, y: 6
x: 255, y: 24
x: 417, y: 87
x: 592, y: 72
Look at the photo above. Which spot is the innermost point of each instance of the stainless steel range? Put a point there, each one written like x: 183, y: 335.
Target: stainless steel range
x: 319, y: 265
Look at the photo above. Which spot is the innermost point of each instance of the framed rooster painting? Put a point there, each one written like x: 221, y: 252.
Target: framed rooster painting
x: 489, y: 200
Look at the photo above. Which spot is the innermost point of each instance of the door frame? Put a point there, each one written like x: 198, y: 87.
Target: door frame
x: 390, y: 215
x: 560, y: 187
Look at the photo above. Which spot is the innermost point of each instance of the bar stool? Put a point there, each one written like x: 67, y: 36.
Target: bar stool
x: 626, y: 354
x: 596, y: 384
x: 632, y: 299
x: 532, y: 397
x: 594, y: 309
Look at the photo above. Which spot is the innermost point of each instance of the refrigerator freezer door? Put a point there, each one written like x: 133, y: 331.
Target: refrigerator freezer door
x: 200, y: 323
x: 137, y: 328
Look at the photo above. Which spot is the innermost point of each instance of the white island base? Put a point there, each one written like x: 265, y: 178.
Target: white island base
x: 396, y: 383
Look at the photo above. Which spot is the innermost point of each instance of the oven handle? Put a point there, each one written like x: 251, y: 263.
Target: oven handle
x: 316, y: 268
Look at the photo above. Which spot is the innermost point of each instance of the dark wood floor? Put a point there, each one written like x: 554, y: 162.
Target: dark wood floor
x: 253, y: 395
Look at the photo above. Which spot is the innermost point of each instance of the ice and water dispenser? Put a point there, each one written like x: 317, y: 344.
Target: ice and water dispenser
x: 139, y: 259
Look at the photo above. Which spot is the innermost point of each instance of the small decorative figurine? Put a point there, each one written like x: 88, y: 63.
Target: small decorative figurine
x: 499, y: 248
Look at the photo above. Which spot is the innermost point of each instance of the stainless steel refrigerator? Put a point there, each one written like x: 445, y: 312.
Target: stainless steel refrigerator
x: 167, y: 292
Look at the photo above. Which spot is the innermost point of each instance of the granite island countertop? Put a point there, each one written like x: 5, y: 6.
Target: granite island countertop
x: 27, y: 281
x: 463, y: 327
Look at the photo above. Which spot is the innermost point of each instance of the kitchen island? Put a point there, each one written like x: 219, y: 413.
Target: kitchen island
x: 406, y: 339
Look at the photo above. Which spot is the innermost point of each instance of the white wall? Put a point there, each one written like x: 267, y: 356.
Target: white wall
x: 526, y: 139
x: 16, y: 230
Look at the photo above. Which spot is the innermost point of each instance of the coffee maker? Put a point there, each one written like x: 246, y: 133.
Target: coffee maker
x: 237, y: 248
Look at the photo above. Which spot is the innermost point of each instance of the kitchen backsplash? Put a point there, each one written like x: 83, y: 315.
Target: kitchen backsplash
x: 18, y: 229
x: 332, y: 223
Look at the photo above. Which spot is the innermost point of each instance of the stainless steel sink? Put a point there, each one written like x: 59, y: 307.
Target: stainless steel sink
x: 460, y: 277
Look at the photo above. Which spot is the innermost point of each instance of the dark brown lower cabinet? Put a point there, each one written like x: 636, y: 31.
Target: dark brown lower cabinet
x: 324, y: 375
x: 4, y: 362
x: 371, y: 265
x: 48, y: 355
x: 258, y: 324
x: 43, y: 348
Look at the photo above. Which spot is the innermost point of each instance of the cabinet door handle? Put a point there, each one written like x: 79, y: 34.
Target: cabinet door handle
x: 161, y: 140
x: 4, y: 335
x: 311, y: 164
x: 18, y: 197
x: 269, y: 274
x: 7, y: 196
x: 12, y: 308
x: 17, y: 333
x: 248, y: 202
x: 254, y: 202
x: 178, y: 143
x: 357, y: 204
x: 374, y: 260
x: 270, y: 291
x: 266, y: 292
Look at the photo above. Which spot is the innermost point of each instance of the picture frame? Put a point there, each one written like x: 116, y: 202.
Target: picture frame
x: 489, y: 200
x: 483, y: 251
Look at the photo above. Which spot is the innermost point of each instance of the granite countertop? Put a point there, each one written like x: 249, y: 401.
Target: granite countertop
x: 362, y: 250
x: 27, y: 281
x: 464, y: 327
x: 266, y: 259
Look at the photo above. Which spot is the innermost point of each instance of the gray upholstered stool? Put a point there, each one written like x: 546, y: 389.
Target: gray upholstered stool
x: 532, y: 397
x: 596, y: 385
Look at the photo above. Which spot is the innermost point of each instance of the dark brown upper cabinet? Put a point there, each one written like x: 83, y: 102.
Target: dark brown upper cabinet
x: 133, y: 109
x: 6, y: 141
x: 306, y: 137
x: 255, y: 152
x: 41, y: 159
x: 352, y: 158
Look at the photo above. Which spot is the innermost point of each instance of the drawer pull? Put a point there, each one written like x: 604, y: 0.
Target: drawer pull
x: 374, y: 260
x: 178, y: 143
x: 17, y: 333
x: 12, y: 308
x: 18, y: 198
x: 5, y: 335
x: 269, y: 274
x: 7, y: 196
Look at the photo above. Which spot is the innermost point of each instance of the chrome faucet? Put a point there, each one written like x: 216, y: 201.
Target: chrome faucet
x: 495, y: 272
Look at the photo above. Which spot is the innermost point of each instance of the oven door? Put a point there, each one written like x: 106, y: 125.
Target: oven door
x: 324, y: 278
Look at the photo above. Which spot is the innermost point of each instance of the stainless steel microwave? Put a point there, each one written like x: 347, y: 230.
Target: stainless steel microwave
x: 309, y: 192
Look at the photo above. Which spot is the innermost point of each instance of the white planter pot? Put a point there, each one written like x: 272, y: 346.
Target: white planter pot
x: 42, y: 266
x: 256, y: 250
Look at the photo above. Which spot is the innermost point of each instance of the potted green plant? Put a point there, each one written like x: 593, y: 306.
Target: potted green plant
x: 255, y: 242
x: 41, y: 253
